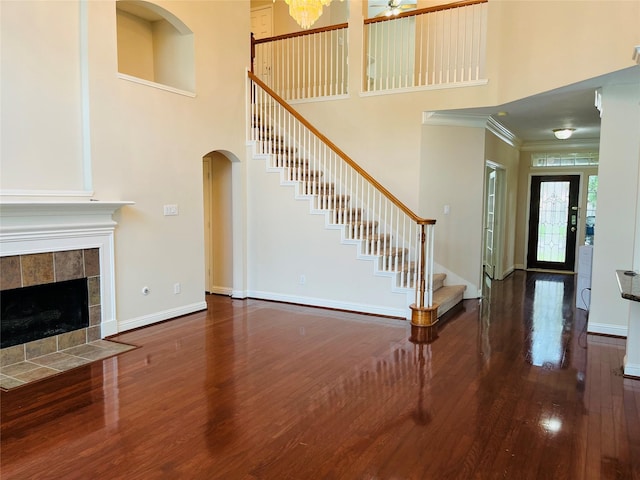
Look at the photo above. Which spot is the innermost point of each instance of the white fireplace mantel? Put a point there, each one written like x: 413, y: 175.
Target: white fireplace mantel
x: 28, y: 227
x: 21, y: 217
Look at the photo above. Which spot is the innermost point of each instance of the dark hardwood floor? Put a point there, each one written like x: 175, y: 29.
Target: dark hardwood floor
x: 511, y: 388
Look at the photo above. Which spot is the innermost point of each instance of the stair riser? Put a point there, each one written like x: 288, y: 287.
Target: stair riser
x: 346, y: 216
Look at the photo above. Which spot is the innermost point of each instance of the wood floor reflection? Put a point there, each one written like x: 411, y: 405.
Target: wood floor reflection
x: 511, y: 387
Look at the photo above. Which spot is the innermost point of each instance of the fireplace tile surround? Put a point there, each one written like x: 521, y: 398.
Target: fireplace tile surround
x: 47, y: 241
x: 18, y: 271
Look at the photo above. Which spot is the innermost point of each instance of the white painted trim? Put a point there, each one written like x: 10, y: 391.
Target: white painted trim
x: 607, y: 329
x: 503, y: 133
x: 455, y: 119
x: 146, y: 320
x: 159, y: 86
x: 28, y: 227
x: 508, y: 272
x: 560, y: 145
x: 46, y: 193
x: 85, y: 118
x: 239, y: 294
x: 321, y: 302
x: 20, y: 211
x: 632, y: 369
x: 319, y: 99
x: 441, y: 86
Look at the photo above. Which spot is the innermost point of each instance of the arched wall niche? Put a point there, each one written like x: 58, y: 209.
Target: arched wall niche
x: 154, y: 45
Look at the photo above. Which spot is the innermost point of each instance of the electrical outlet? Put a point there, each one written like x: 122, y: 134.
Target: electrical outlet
x: 302, y: 279
x: 176, y: 288
x: 170, y: 210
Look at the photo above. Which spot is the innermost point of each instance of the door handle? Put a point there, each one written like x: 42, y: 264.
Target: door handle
x: 573, y: 229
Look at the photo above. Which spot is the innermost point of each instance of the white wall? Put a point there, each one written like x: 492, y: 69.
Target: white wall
x: 618, y: 190
x: 147, y: 144
x: 286, y: 241
x: 42, y: 97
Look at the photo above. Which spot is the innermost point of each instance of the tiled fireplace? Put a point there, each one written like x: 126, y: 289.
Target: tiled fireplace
x: 43, y: 243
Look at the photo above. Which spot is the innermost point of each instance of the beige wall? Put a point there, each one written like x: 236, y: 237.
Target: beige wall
x: 453, y: 171
x: 536, y: 46
x: 221, y: 224
x: 135, y: 46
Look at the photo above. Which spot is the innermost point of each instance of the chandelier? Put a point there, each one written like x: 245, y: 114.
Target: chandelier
x: 306, y: 12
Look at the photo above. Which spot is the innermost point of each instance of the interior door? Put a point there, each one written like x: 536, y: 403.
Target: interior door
x: 262, y: 27
x: 489, y: 227
x: 553, y: 222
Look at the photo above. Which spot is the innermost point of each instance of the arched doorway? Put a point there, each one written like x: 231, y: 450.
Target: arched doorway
x: 218, y: 222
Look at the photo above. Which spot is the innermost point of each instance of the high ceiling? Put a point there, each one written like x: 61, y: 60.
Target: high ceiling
x: 532, y: 119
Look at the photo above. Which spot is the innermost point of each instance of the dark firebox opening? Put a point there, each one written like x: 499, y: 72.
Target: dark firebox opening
x: 41, y: 311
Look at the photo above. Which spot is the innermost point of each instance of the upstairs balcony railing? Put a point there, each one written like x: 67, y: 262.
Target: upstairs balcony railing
x: 303, y: 65
x: 426, y: 48
x: 387, y: 230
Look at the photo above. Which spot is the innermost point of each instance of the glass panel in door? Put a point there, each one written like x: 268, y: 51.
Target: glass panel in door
x: 553, y: 220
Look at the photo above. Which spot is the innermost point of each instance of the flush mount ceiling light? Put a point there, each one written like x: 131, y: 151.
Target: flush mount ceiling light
x: 563, y: 133
x: 306, y: 12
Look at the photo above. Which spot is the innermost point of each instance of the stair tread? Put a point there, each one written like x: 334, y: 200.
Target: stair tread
x: 447, y: 297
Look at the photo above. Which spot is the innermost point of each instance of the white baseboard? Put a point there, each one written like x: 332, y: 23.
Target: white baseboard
x: 321, y: 302
x: 239, y: 294
x: 632, y: 369
x: 508, y: 272
x: 606, y: 329
x: 146, y: 320
x: 108, y: 328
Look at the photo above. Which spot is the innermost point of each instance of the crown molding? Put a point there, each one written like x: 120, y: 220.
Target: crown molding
x: 472, y: 120
x: 454, y: 119
x: 503, y: 133
x: 561, y: 145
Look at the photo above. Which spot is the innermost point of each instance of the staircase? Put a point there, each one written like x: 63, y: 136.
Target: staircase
x: 382, y: 235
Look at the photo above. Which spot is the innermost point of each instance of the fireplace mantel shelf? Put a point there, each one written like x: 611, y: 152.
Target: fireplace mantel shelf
x: 24, y: 217
x: 36, y: 208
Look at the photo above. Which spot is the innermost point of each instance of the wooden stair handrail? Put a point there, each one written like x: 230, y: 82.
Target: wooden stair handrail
x: 313, y: 31
x: 437, y: 8
x: 344, y: 156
